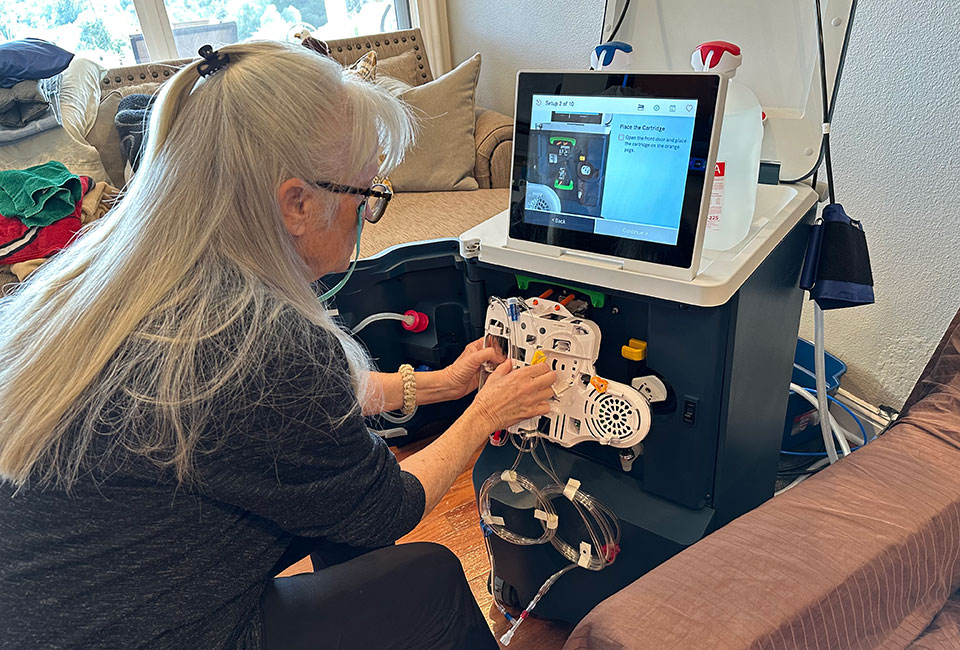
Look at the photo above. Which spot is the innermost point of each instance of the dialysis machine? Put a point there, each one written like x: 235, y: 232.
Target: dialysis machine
x: 673, y: 362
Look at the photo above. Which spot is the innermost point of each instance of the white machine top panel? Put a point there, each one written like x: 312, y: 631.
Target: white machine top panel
x: 779, y: 209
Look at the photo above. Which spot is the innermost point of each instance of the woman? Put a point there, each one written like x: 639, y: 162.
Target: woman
x: 180, y: 418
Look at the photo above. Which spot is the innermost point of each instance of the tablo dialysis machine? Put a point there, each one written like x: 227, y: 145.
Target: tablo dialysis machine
x: 672, y: 361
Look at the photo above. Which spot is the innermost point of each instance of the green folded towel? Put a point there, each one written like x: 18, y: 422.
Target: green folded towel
x: 39, y: 195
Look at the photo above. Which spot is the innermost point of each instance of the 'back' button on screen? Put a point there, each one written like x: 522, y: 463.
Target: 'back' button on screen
x: 568, y: 222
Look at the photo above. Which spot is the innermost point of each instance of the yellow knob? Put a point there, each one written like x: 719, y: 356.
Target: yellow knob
x: 635, y: 350
x: 538, y: 357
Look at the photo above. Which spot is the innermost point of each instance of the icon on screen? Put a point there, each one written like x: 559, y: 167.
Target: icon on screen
x: 539, y: 102
x: 689, y: 107
x: 639, y: 107
x: 656, y: 107
x: 673, y: 108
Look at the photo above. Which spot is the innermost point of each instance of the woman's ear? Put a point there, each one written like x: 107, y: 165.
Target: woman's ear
x: 293, y: 197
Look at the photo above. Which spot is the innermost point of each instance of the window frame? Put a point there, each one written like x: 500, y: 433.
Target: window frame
x: 158, y: 32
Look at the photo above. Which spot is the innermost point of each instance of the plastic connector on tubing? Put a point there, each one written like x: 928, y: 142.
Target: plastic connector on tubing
x: 513, y: 309
x: 415, y: 321
x: 610, y: 552
x: 498, y: 438
x: 508, y: 635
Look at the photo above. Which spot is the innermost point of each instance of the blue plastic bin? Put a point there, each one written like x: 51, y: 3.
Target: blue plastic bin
x: 801, y: 425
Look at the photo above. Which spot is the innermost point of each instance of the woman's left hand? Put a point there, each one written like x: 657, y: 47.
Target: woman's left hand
x: 462, y: 377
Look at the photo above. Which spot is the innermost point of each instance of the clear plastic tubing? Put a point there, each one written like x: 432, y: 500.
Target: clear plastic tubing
x: 373, y: 318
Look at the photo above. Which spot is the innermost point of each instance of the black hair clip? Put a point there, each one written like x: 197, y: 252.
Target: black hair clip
x: 212, y: 60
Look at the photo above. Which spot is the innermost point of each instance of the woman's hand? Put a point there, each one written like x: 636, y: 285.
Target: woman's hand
x: 513, y: 395
x: 463, y: 376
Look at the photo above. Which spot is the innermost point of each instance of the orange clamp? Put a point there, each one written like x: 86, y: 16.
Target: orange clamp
x: 599, y: 384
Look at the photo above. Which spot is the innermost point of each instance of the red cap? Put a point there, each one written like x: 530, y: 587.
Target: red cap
x: 718, y: 48
x: 716, y: 56
x: 420, y: 321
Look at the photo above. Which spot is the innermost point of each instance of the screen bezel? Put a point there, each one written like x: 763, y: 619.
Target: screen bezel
x: 705, y: 88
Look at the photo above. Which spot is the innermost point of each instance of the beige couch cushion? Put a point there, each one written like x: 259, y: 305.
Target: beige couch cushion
x: 444, y: 155
x: 431, y: 215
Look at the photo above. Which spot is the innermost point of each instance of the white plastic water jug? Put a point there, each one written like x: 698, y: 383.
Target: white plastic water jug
x: 734, y: 197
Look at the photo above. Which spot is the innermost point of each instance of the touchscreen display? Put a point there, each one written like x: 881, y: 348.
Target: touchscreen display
x: 614, y: 166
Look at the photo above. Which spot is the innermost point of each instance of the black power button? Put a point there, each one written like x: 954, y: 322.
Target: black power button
x: 690, y: 410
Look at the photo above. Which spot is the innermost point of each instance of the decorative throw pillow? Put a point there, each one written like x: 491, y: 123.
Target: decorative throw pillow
x: 444, y: 154
x: 80, y: 96
x: 30, y: 58
x: 403, y: 67
x: 365, y: 67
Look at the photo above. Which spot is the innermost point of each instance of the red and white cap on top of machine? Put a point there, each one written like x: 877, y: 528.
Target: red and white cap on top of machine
x: 717, y: 56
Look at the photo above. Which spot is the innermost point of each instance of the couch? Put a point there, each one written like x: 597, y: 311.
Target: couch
x: 411, y: 216
x: 865, y: 554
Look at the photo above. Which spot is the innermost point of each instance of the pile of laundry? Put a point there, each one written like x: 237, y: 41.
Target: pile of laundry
x: 41, y: 211
x: 30, y: 77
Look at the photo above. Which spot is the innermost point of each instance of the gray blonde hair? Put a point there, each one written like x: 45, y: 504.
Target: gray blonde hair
x: 196, y: 243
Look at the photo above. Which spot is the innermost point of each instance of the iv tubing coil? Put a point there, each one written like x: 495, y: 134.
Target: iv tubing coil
x: 604, y: 539
x: 502, y: 531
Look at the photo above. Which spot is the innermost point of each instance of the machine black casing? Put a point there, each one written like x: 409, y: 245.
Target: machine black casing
x: 732, y: 363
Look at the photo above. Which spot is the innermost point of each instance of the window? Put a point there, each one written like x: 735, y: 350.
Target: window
x: 122, y: 32
x: 99, y: 31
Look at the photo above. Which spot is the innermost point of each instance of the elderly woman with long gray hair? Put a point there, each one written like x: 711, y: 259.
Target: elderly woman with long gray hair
x: 181, y: 418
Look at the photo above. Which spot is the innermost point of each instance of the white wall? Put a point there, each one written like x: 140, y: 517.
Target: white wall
x: 897, y: 167
x: 896, y: 141
x: 515, y: 34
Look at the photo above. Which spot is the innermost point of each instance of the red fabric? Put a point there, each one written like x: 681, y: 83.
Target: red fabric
x: 11, y: 230
x: 49, y: 239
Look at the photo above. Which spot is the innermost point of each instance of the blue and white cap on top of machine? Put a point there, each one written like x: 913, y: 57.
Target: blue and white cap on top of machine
x: 614, y: 55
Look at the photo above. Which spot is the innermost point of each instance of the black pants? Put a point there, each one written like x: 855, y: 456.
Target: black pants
x: 410, y: 596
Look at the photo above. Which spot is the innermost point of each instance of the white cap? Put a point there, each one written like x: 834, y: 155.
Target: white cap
x: 717, y: 56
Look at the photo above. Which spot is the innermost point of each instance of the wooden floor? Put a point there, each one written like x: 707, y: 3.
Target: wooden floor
x: 455, y: 524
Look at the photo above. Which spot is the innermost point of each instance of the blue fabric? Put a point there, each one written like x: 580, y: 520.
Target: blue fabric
x: 836, y: 269
x: 833, y: 294
x: 835, y: 212
x: 30, y: 59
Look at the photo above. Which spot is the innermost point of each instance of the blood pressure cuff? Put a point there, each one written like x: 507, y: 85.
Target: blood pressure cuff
x: 836, y: 270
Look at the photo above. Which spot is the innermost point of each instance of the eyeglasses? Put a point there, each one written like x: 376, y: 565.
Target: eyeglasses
x: 375, y: 199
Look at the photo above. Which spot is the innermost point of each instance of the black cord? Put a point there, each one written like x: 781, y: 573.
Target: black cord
x: 836, y: 86
x: 623, y: 14
x: 826, y: 103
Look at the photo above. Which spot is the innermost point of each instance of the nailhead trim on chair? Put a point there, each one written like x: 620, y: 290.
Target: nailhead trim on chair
x: 118, y: 80
x: 410, y: 36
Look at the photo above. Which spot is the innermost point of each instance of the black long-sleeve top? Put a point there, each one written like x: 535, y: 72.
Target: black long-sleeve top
x: 130, y: 559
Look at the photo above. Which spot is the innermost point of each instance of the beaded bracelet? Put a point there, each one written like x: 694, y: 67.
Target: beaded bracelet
x: 409, y: 388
